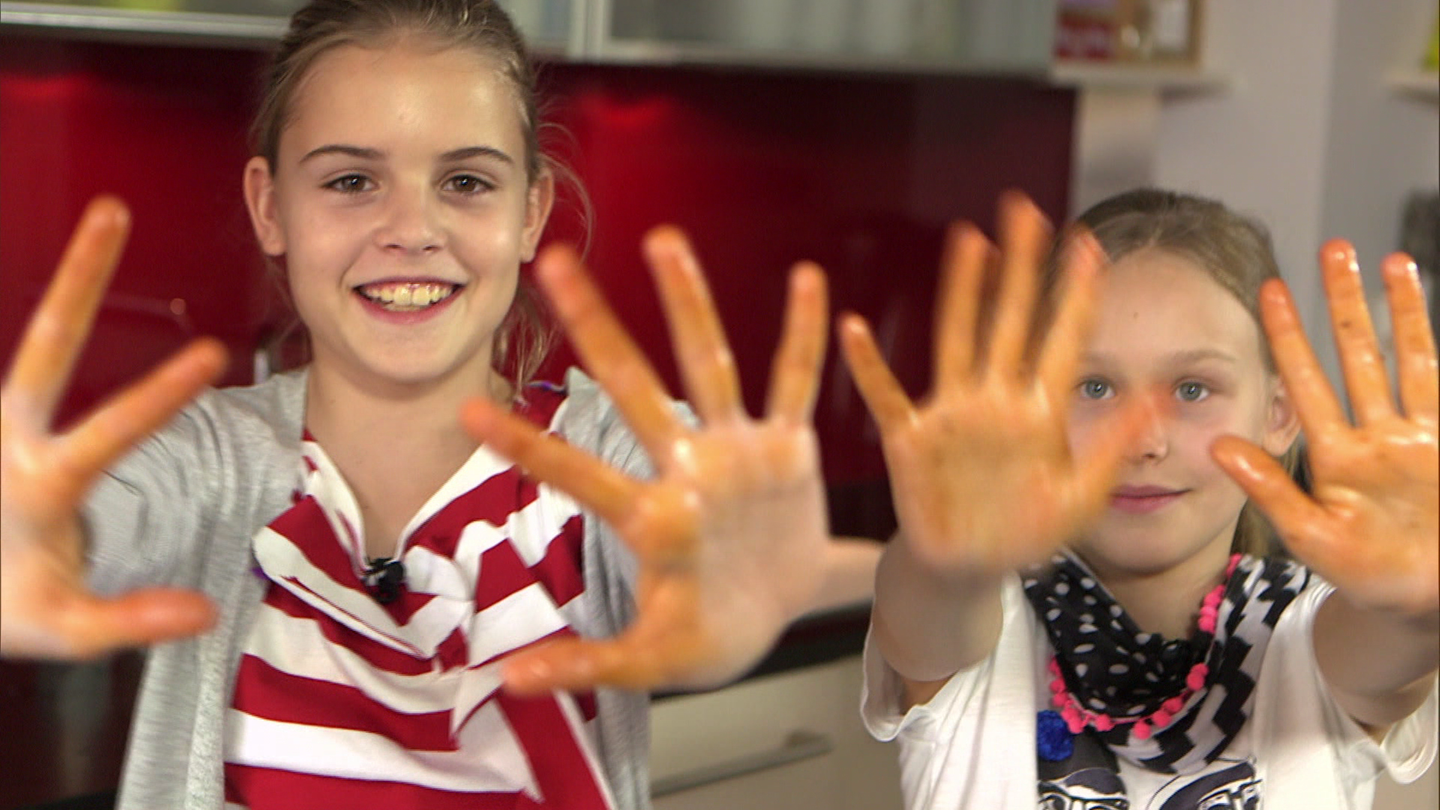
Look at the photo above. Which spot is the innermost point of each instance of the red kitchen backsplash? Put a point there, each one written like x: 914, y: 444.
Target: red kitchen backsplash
x: 763, y: 168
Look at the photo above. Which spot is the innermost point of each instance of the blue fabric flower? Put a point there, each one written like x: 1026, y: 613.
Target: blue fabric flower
x: 1053, y: 739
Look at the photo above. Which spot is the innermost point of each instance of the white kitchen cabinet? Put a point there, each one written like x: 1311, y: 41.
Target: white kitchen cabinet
x: 939, y: 35
x: 791, y: 741
x: 956, y: 36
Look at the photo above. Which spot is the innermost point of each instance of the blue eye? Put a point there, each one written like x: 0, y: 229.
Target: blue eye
x: 1095, y: 389
x: 350, y: 184
x: 1192, y: 391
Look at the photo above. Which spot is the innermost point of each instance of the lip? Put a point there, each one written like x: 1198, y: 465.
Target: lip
x: 1139, y: 500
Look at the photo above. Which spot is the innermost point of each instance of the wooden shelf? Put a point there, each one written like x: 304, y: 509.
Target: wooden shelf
x: 1160, y: 77
x: 1419, y: 83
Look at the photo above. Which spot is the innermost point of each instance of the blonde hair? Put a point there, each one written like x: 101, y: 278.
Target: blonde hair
x: 1234, y: 250
x: 526, y: 333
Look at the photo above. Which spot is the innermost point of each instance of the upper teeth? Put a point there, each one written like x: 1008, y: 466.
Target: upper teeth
x: 413, y: 295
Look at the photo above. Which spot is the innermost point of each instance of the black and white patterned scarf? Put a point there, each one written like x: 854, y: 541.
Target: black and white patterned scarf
x: 1111, y: 667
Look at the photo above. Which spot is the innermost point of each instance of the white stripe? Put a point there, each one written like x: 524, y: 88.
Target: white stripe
x: 519, y: 619
x: 298, y: 647
x: 332, y: 494
x: 490, y: 758
x: 428, y: 627
x: 532, y: 529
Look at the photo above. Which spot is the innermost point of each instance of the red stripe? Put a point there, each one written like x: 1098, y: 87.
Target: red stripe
x: 306, y: 526
x: 559, y: 764
x: 493, y: 500
x: 561, y: 569
x: 496, y: 498
x: 270, y: 789
x: 502, y: 572
x: 375, y: 654
x: 266, y: 692
x: 585, y: 702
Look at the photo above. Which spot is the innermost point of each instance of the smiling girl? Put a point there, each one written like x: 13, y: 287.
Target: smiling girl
x: 364, y: 557
x: 1080, y: 609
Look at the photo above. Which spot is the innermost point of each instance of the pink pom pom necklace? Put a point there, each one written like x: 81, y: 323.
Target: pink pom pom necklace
x: 1077, y: 717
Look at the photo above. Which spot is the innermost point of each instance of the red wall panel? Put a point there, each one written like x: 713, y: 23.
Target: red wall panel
x: 858, y: 173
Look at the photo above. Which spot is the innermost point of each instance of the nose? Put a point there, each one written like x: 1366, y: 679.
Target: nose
x: 1152, y: 442
x: 411, y: 222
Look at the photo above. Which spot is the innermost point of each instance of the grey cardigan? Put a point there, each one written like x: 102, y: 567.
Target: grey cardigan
x: 181, y: 510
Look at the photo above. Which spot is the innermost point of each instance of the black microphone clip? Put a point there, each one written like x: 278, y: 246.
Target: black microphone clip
x: 384, y: 579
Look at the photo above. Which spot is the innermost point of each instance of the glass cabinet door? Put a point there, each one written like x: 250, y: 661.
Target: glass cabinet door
x: 551, y: 27
x: 1009, y: 35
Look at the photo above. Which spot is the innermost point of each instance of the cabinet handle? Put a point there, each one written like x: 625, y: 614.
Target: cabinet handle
x: 800, y: 745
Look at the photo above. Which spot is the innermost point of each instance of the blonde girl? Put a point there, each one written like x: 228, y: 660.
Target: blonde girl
x: 1077, y: 611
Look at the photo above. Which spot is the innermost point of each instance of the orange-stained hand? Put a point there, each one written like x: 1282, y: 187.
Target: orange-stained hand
x: 45, y: 609
x: 983, y: 478
x: 1371, y: 526
x: 731, y: 534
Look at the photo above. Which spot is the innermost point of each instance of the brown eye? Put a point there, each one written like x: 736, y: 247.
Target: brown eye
x: 467, y: 184
x: 350, y: 184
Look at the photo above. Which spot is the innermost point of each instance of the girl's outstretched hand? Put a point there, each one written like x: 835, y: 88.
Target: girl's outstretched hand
x: 983, y: 478
x: 45, y: 609
x: 731, y: 533
x: 1370, y: 525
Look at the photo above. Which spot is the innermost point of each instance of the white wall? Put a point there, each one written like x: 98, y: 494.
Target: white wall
x: 1308, y: 136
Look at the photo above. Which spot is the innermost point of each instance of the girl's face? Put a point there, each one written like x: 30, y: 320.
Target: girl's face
x: 401, y: 205
x: 1165, y: 330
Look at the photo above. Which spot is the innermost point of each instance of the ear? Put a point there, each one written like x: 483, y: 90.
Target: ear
x: 538, y: 202
x: 1282, y: 424
x: 259, y: 185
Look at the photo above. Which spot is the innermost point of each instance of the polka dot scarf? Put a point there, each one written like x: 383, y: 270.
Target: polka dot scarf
x: 1168, y: 705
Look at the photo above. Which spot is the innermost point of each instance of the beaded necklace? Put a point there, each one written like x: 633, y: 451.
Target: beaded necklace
x: 1077, y: 717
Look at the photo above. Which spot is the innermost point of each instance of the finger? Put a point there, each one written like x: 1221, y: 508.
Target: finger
x: 1024, y: 233
x: 138, y: 411
x: 1315, y: 401
x: 52, y: 342
x: 1298, y: 519
x: 706, y: 362
x: 591, y: 482
x: 1360, y: 360
x: 882, y: 393
x: 573, y: 665
x: 607, y: 350
x: 962, y: 280
x: 1414, y: 339
x: 138, y: 619
x: 795, y: 372
x: 1060, y: 353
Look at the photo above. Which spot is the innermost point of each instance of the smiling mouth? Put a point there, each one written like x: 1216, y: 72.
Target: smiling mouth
x: 1143, y: 499
x: 407, y: 296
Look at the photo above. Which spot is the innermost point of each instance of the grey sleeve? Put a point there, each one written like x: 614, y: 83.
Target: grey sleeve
x: 217, y: 473
x: 146, y: 514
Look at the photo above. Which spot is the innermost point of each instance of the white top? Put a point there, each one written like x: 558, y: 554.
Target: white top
x: 973, y: 744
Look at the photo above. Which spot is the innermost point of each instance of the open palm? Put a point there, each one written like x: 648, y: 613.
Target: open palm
x: 983, y: 478
x: 45, y: 608
x: 731, y: 533
x: 1370, y: 524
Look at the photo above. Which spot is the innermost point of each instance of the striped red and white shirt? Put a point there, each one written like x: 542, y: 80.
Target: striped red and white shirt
x: 342, y: 702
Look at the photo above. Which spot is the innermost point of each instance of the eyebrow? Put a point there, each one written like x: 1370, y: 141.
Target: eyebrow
x: 1178, y: 358
x: 366, y: 153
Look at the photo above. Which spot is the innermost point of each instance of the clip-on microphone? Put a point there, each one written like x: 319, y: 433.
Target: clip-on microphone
x: 384, y: 579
